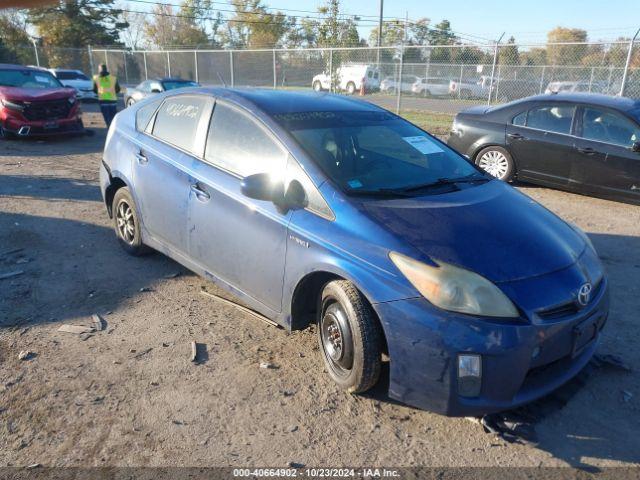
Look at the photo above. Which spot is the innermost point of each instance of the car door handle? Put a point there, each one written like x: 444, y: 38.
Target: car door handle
x: 516, y: 136
x: 141, y: 158
x: 586, y: 150
x: 201, y: 195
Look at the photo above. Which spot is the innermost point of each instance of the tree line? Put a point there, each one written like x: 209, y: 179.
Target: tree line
x: 73, y: 24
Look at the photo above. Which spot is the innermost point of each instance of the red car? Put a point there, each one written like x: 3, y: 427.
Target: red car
x: 34, y: 102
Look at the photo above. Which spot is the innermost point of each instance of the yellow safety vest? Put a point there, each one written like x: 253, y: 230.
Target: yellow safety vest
x: 106, y: 87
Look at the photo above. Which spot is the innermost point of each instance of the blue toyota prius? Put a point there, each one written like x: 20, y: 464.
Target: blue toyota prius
x: 316, y: 208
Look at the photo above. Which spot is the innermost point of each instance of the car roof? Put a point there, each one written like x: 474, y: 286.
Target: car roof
x: 11, y: 66
x: 170, y: 79
x: 283, y: 101
x: 620, y: 103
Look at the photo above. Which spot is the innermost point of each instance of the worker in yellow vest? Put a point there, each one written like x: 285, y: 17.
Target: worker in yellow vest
x: 107, y: 88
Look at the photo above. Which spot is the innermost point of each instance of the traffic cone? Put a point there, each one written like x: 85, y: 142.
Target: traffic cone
x: 362, y: 92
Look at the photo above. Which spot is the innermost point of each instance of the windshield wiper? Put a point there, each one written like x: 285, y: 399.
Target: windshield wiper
x: 381, y: 192
x: 445, y: 181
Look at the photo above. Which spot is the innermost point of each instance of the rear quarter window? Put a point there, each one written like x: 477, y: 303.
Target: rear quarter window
x: 178, y: 119
x: 144, y: 114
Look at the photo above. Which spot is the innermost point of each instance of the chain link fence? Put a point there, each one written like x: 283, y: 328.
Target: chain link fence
x: 412, y: 80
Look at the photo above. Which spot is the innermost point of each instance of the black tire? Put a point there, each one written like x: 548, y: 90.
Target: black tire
x: 347, y: 319
x: 351, y: 88
x: 317, y: 86
x: 496, y: 151
x: 130, y: 101
x: 128, y: 234
x: 5, y: 135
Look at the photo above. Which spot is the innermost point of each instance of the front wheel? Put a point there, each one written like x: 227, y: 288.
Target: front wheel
x: 317, y: 86
x: 130, y: 102
x: 350, y: 337
x: 497, y: 162
x: 126, y: 222
x: 351, y: 88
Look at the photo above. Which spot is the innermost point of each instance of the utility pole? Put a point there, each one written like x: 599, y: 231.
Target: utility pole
x: 35, y: 49
x: 380, y: 30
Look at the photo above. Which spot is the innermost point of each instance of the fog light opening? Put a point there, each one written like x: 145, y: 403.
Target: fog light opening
x: 469, y: 374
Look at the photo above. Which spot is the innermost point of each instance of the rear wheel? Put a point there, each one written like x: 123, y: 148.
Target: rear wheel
x: 497, y: 162
x: 351, y: 88
x: 317, y: 86
x: 350, y: 337
x: 126, y: 223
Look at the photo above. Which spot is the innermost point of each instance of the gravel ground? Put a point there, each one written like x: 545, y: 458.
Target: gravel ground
x: 130, y: 396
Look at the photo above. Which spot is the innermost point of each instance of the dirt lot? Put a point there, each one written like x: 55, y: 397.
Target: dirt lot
x: 129, y: 395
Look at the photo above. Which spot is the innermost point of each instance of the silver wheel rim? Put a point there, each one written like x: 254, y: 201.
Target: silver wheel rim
x: 316, y: 86
x: 125, y: 223
x: 494, y: 163
x: 336, y: 339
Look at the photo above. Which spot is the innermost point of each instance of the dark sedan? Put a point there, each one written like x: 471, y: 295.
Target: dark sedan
x: 154, y: 86
x: 581, y: 142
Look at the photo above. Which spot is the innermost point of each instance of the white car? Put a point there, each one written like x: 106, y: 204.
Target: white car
x: 556, y: 87
x: 390, y: 84
x: 78, y: 80
x: 431, y: 86
x: 349, y: 78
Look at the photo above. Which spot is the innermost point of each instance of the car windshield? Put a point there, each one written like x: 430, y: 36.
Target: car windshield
x: 170, y: 85
x: 28, y: 79
x: 377, y: 152
x: 64, y: 75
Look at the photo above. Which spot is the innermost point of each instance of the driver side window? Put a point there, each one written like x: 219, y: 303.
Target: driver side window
x: 609, y: 127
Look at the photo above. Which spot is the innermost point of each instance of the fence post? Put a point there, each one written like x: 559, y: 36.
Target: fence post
x: 493, y: 68
x: 106, y: 59
x: 399, y: 83
x: 90, y: 52
x: 275, y: 75
x: 126, y: 72
x: 331, y: 70
x: 625, y: 74
x: 168, y: 64
x: 195, y: 61
x: 460, y: 81
x: 144, y: 57
x: 426, y: 73
x: 544, y: 68
x: 591, y: 80
x: 231, y: 66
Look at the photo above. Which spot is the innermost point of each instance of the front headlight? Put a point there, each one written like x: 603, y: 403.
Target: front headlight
x: 455, y: 289
x: 12, y: 105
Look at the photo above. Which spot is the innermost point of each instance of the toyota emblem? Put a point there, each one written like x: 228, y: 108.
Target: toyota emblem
x: 584, y: 294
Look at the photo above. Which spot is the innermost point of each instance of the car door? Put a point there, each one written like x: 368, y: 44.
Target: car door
x: 241, y: 241
x: 604, y: 159
x: 540, y: 139
x: 160, y: 173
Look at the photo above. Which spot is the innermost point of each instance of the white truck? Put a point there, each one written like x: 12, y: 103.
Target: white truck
x: 349, y: 78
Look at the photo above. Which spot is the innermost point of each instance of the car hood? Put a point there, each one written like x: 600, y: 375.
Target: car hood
x: 491, y: 229
x: 35, y: 94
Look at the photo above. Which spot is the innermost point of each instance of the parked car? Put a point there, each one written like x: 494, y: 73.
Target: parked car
x: 76, y: 79
x: 349, y: 78
x: 471, y: 88
x: 431, y: 86
x: 566, y: 87
x: 391, y: 84
x: 321, y: 208
x: 154, y: 86
x: 582, y: 142
x: 34, y: 102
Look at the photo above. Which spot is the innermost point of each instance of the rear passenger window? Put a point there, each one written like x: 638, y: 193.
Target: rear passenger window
x: 144, y: 114
x: 177, y: 121
x: 555, y: 118
x: 240, y: 145
x: 520, y: 119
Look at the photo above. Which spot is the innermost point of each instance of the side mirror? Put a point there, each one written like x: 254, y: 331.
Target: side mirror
x: 261, y: 186
x: 635, y: 147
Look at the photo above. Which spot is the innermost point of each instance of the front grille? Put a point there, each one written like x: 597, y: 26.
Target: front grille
x: 49, y: 110
x: 569, y: 308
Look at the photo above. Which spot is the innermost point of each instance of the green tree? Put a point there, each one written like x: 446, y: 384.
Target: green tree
x: 15, y: 44
x: 72, y: 24
x: 253, y: 26
x: 441, y: 34
x: 566, y: 54
x: 509, y: 54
